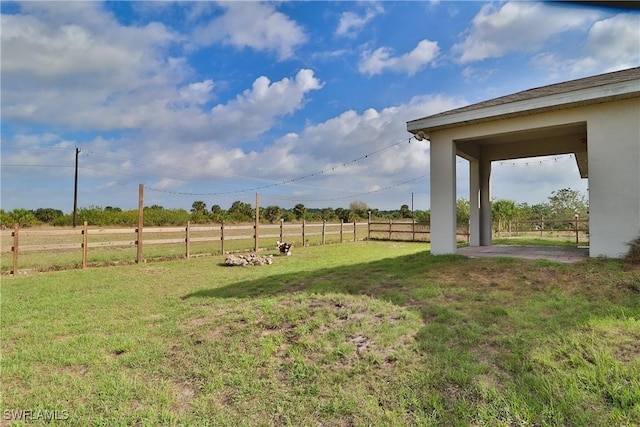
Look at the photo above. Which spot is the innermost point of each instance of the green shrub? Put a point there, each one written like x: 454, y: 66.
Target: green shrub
x: 633, y: 254
x: 22, y: 217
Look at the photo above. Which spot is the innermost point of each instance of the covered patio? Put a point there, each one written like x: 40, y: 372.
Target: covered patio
x: 595, y: 118
x: 563, y: 254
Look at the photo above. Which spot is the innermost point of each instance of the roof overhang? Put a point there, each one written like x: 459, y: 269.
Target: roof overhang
x: 576, y: 98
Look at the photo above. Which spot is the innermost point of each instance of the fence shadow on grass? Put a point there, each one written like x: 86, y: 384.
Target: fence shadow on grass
x: 374, y: 279
x: 486, y: 318
x: 480, y: 290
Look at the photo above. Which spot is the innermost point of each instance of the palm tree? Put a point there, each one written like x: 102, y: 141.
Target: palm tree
x: 199, y: 207
x: 299, y: 211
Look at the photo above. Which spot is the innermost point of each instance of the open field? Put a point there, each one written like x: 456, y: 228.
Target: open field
x: 366, y: 333
x: 46, y: 248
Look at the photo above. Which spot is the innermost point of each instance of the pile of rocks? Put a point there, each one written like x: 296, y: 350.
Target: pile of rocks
x: 250, y: 259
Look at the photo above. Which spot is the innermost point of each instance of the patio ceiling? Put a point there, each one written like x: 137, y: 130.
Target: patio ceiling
x: 546, y: 141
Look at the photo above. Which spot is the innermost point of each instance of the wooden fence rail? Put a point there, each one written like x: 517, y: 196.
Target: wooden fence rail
x: 221, y: 235
x: 86, y: 236
x: 574, y: 227
x: 409, y: 230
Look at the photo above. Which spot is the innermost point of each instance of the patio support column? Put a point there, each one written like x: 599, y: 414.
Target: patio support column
x: 485, y: 201
x: 443, y: 196
x: 474, y: 202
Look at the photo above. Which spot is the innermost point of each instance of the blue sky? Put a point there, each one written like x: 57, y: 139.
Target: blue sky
x: 302, y: 102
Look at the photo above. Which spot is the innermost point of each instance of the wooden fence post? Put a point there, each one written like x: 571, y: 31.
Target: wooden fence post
x: 390, y: 220
x: 577, y: 231
x: 369, y: 227
x: 222, y: 237
x: 341, y: 230
x: 282, y: 229
x: 303, y: 234
x: 413, y: 229
x: 541, y: 225
x: 140, y: 222
x: 324, y: 225
x: 15, y: 248
x: 85, y: 243
x: 257, y: 244
x: 355, y: 236
x: 187, y: 240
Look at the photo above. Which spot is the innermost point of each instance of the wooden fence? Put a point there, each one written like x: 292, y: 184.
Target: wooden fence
x: 569, y: 228
x: 408, y: 230
x: 221, y: 235
x: 221, y: 238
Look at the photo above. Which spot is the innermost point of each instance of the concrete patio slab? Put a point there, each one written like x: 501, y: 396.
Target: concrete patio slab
x: 551, y: 253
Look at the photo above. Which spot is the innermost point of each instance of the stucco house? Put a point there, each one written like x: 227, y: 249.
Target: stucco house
x: 597, y: 118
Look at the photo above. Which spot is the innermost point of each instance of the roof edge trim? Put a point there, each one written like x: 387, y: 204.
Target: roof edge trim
x: 592, y: 95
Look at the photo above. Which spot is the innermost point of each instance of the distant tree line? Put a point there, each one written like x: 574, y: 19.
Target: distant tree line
x: 562, y: 204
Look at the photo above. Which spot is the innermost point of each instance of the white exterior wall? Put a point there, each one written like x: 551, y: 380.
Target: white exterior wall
x: 614, y: 177
x: 474, y: 202
x: 443, y: 197
x: 613, y: 134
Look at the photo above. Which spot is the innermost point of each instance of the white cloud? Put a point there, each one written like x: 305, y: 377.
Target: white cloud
x: 539, y: 176
x: 517, y: 26
x: 615, y: 41
x: 612, y: 44
x: 207, y: 140
x: 351, y: 23
x: 382, y: 59
x: 197, y: 93
x: 328, y: 145
x: 319, y: 146
x: 476, y: 74
x: 87, y: 71
x: 255, y: 25
x: 350, y: 135
x: 254, y: 111
x: 41, y: 46
x: 84, y: 69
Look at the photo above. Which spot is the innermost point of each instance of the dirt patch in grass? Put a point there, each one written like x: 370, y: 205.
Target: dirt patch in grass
x: 622, y: 339
x: 360, y: 342
x: 183, y: 394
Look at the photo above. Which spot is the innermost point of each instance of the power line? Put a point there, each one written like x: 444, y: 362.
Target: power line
x: 253, y: 189
x: 352, y: 195
x: 274, y: 184
x: 217, y: 174
x: 534, y: 161
x: 288, y: 181
x: 34, y: 166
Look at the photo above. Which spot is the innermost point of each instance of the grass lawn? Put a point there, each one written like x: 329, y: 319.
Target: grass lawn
x: 367, y: 333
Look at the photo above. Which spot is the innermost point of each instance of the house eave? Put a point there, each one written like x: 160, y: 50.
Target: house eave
x: 581, y: 97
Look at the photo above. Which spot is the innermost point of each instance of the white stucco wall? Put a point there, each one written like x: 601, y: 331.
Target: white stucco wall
x: 443, y: 197
x: 614, y: 176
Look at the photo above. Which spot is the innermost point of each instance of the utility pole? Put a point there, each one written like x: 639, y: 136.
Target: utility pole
x: 75, y: 193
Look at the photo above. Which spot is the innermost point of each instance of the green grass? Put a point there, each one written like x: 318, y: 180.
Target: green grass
x: 366, y: 333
